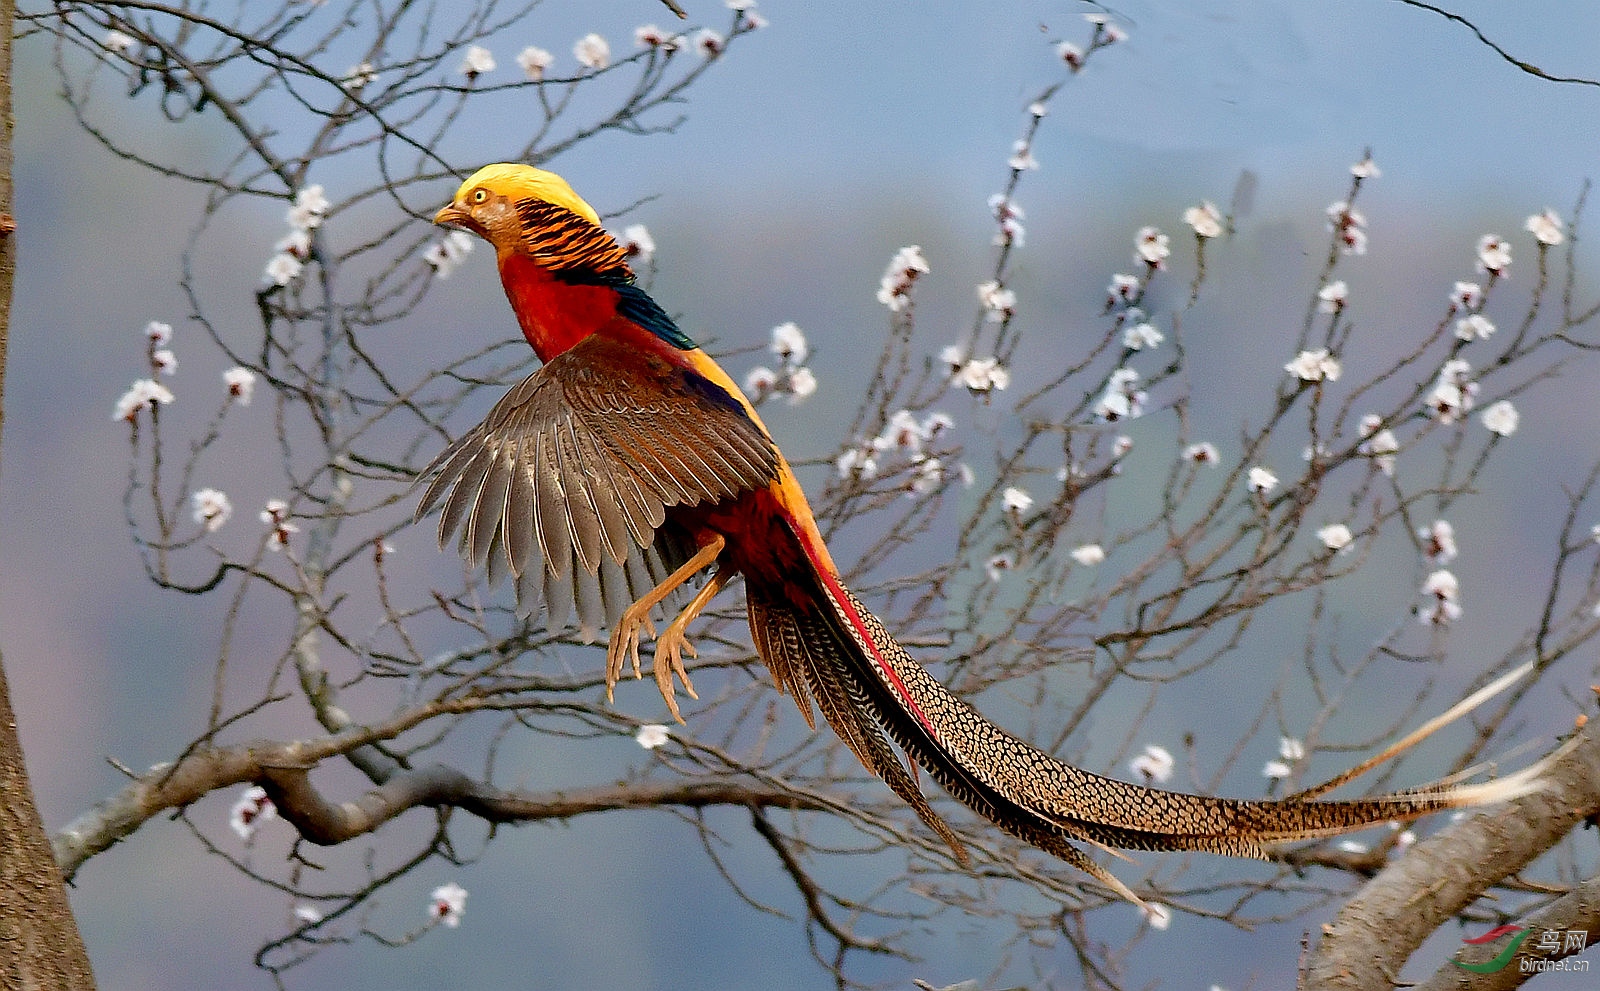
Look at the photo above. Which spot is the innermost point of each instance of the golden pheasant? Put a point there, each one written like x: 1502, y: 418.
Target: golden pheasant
x: 629, y: 463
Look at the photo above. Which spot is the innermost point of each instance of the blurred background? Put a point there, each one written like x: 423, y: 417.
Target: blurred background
x: 825, y: 142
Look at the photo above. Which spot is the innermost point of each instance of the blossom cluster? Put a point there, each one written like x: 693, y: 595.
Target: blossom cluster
x: 791, y: 378
x: 907, y: 265
x: 593, y: 53
x: 148, y: 393
x: 1349, y: 226
x: 906, y: 437
x: 305, y: 215
x: 1122, y: 399
x: 979, y: 376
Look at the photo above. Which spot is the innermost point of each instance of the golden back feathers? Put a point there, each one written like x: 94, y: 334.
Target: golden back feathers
x: 516, y: 181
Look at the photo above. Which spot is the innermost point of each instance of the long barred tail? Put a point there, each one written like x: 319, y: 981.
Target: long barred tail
x: 866, y: 685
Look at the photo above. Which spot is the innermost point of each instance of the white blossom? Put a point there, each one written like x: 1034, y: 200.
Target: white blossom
x: 1353, y: 846
x: 1206, y: 219
x: 252, y: 808
x: 760, y: 380
x: 1438, y: 542
x: 999, y: 564
x: 1276, y: 770
x: 1151, y: 247
x: 904, y: 269
x: 1331, y: 297
x: 447, y: 904
x: 936, y: 424
x: 1454, y: 393
x: 1315, y: 366
x: 637, y: 243
x: 1123, y: 289
x: 476, y: 62
x: 276, y: 516
x: 1154, y: 764
x: 448, y: 252
x: 314, y: 201
x: 709, y: 43
x: 1009, y: 215
x: 1122, y: 400
x: 1366, y: 169
x: 1088, y: 555
x: 241, y: 382
x: 117, y: 42
x: 1157, y: 916
x: 903, y: 432
x: 1071, y: 54
x: 984, y: 375
x: 802, y: 385
x: 652, y: 735
x: 953, y: 356
x: 282, y: 269
x: 1546, y: 228
x: 592, y: 52
x: 1474, y: 327
x: 1501, y: 418
x: 533, y: 61
x: 1335, y: 536
x: 858, y: 462
x: 163, y: 361
x: 1204, y: 453
x: 1022, y: 159
x: 1291, y: 749
x: 144, y: 393
x: 1016, y: 500
x: 789, y: 343
x: 927, y: 476
x: 1142, y: 336
x: 211, y: 508
x: 307, y: 914
x: 1444, y: 593
x: 1350, y: 227
x: 359, y: 77
x: 1494, y: 254
x: 997, y: 301
x: 158, y: 334
x: 1261, y: 480
x: 650, y: 36
x: 1466, y: 296
x: 296, y: 243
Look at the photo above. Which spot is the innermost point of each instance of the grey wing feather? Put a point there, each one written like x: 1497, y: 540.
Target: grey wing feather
x: 566, y: 484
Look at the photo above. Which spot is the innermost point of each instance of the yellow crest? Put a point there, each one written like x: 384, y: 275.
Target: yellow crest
x: 517, y: 181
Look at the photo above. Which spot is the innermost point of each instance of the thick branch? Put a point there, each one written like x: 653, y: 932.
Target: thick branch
x: 325, y: 822
x: 284, y: 768
x: 1577, y: 910
x: 1372, y: 937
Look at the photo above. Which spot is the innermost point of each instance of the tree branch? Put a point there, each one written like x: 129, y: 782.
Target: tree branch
x: 1377, y: 931
x: 1578, y: 909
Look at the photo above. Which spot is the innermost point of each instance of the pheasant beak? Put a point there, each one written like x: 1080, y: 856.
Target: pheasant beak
x: 451, y: 216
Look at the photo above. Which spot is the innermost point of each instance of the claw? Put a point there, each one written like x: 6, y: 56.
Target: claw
x: 670, y: 648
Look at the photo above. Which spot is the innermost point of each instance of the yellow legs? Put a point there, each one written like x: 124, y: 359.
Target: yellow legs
x: 673, y: 642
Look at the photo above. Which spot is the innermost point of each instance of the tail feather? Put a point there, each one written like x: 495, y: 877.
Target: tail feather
x: 862, y: 679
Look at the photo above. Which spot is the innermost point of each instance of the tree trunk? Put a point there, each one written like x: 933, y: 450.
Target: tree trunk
x: 40, y: 946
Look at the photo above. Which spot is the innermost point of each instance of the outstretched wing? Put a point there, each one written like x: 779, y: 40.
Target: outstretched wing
x: 567, y: 482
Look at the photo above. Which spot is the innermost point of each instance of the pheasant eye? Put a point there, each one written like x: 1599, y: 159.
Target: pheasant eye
x: 480, y: 195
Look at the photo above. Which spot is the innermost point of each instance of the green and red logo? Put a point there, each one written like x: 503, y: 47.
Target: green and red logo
x: 1505, y: 956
